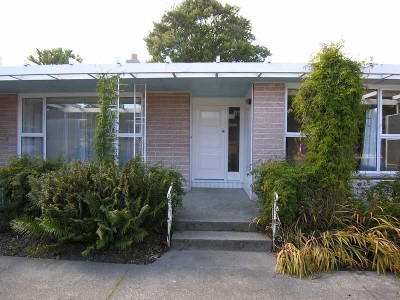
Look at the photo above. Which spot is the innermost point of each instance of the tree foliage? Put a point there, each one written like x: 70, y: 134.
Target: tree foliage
x: 329, y: 107
x: 55, y: 56
x: 105, y: 135
x: 200, y: 30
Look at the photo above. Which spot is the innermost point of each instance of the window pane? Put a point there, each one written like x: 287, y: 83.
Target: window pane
x: 70, y: 128
x: 126, y: 148
x: 126, y: 115
x: 367, y: 145
x: 390, y: 153
x: 391, y: 112
x: 32, y: 146
x: 233, y: 139
x: 292, y: 124
x: 32, y: 115
x: 296, y: 149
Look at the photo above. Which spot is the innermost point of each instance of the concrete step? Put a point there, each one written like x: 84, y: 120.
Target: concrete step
x: 183, y: 225
x: 221, y: 240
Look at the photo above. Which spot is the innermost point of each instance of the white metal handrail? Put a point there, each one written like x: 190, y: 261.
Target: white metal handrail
x: 276, y: 222
x: 169, y: 220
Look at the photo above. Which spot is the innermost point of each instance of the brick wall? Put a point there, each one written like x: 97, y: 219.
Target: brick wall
x: 8, y: 127
x: 269, y: 122
x: 168, y: 130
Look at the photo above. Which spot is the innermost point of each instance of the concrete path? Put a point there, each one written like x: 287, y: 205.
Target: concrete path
x: 189, y: 274
x: 218, y: 205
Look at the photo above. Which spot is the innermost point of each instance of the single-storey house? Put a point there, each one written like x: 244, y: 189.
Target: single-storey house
x: 212, y: 121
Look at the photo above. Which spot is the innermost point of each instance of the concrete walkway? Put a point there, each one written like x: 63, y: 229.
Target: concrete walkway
x: 189, y: 274
x: 218, y: 205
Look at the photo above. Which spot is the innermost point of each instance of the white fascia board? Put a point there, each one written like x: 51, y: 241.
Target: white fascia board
x: 152, y: 68
x: 164, y: 70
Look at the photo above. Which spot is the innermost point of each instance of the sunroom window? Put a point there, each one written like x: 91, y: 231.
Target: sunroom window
x: 379, y: 132
x: 53, y: 127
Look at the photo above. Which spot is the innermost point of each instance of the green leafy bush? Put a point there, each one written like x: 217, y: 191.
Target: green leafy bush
x: 150, y: 184
x: 386, y: 194
x: 294, y: 185
x: 100, y: 205
x: 14, y: 185
x: 329, y: 108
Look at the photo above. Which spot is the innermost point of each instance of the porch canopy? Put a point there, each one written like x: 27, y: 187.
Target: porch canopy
x: 200, y: 79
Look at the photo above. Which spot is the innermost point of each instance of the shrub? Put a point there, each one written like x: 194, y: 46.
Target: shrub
x: 100, y: 205
x: 386, y: 194
x: 14, y: 185
x: 329, y: 108
x: 150, y: 184
x: 294, y: 185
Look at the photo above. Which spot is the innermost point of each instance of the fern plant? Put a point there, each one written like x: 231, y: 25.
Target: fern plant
x: 100, y: 205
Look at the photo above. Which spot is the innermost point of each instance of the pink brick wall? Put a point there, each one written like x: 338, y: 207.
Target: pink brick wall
x: 269, y: 122
x: 8, y: 127
x: 168, y: 130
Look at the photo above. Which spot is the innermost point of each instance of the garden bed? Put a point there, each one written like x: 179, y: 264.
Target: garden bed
x: 146, y: 252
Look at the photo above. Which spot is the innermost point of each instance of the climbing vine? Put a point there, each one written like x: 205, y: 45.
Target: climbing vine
x: 105, y: 136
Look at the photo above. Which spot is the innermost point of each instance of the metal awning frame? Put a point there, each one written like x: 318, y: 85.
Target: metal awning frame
x: 375, y: 74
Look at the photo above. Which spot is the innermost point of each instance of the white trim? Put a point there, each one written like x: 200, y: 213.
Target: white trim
x: 378, y: 73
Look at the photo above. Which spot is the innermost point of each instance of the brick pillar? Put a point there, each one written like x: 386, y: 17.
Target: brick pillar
x: 8, y: 127
x: 268, y: 122
x: 168, y: 131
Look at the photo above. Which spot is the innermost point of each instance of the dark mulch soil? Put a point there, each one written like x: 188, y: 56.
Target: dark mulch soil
x: 146, y: 252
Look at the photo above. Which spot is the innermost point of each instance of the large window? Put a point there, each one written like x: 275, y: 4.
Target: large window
x: 379, y: 132
x: 70, y: 127
x: 53, y: 127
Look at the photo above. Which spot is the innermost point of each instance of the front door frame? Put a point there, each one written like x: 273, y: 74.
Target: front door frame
x: 226, y: 102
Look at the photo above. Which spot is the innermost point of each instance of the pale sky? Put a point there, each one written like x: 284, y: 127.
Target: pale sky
x: 102, y: 30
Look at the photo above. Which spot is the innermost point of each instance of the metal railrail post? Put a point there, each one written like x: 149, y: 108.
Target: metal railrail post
x: 169, y: 220
x: 276, y: 222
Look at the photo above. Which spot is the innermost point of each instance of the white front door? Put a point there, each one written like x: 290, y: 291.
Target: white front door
x: 209, y: 142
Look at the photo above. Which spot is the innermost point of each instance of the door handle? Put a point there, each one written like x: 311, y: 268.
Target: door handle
x: 223, y: 131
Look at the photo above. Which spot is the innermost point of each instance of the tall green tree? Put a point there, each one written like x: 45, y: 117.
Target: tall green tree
x: 329, y: 107
x: 200, y: 30
x: 55, y: 56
